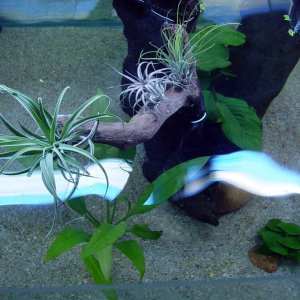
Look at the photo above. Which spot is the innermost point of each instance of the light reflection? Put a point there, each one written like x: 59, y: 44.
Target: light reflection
x: 24, y: 190
x: 254, y: 172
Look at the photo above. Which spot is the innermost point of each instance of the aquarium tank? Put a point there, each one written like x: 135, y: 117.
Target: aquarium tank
x: 149, y: 149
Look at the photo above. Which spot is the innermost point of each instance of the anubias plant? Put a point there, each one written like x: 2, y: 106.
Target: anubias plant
x: 239, y: 121
x: 280, y: 238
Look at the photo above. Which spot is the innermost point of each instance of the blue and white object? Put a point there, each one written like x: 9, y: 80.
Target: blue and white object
x: 21, y: 189
x: 294, y: 14
x: 254, y: 172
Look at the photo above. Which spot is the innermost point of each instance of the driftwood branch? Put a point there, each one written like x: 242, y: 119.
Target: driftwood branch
x: 144, y: 125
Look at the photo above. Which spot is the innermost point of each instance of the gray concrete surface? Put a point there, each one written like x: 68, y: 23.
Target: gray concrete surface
x: 41, y: 62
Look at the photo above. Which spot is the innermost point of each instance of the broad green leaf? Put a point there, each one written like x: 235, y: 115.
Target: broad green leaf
x: 271, y: 239
x: 92, y: 265
x: 104, y: 236
x: 143, y: 231
x: 65, y: 240
x: 111, y: 294
x: 210, y: 45
x: 166, y: 185
x: 103, y: 151
x: 104, y: 257
x: 93, y: 268
x: 290, y: 242
x: 78, y: 205
x: 240, y: 123
x: 289, y: 228
x: 272, y: 224
x: 210, y: 105
x: 134, y: 252
x: 216, y: 57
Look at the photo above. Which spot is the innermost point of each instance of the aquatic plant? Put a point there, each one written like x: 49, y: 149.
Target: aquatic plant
x: 239, y: 122
x: 50, y: 147
x: 280, y: 238
x: 99, y: 243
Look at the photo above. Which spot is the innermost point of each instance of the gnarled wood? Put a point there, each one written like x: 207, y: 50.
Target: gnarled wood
x: 144, y: 125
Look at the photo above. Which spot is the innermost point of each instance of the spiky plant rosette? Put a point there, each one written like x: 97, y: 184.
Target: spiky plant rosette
x: 51, y: 147
x: 147, y: 88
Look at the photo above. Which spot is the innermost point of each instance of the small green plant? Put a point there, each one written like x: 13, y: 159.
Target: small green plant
x: 115, y: 232
x: 280, y: 238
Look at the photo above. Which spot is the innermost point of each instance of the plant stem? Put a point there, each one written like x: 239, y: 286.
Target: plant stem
x: 114, y: 206
x: 107, y: 214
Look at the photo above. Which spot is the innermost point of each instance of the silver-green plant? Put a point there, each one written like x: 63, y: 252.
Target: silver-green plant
x: 51, y: 147
x: 148, y: 87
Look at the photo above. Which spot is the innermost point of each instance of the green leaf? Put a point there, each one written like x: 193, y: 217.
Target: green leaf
x: 11, y: 128
x: 102, y: 105
x: 166, y: 185
x: 289, y: 228
x: 103, y: 151
x: 111, y: 294
x: 78, y: 205
x: 271, y: 239
x: 53, y: 125
x: 210, y: 45
x: 272, y: 225
x: 290, y: 242
x: 104, y: 236
x: 240, y: 123
x: 134, y: 252
x: 104, y: 257
x: 31, y: 106
x: 73, y: 118
x: 46, y: 164
x: 17, y: 155
x: 93, y: 267
x: 143, y: 231
x: 210, y: 105
x: 65, y: 240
